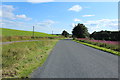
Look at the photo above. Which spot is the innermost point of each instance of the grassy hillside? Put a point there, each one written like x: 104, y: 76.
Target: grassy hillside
x: 12, y: 32
x: 17, y: 35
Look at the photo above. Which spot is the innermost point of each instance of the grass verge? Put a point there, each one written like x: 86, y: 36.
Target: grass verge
x: 20, y: 59
x: 100, y: 48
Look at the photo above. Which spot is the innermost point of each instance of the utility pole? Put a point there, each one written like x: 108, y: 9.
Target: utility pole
x: 52, y: 32
x: 33, y: 31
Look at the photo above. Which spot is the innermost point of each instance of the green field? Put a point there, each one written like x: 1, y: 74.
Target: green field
x: 11, y: 32
x: 17, y: 35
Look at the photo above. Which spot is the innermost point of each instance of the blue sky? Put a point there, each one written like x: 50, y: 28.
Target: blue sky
x: 59, y: 16
x: 60, y: 0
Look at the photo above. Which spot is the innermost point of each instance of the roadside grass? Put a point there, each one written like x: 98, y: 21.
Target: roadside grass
x: 98, y: 47
x: 114, y: 46
x: 20, y: 59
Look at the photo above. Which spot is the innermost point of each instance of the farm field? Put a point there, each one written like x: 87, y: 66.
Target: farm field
x: 12, y: 32
x: 16, y: 35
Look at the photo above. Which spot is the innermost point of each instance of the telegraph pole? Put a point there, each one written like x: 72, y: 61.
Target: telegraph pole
x: 52, y: 32
x: 33, y: 31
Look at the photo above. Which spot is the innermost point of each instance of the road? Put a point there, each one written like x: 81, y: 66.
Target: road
x: 73, y: 60
x: 17, y: 41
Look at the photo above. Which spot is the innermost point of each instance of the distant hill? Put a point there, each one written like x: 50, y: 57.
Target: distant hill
x: 12, y: 32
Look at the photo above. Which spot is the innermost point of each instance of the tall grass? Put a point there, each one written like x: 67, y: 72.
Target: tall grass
x: 112, y: 47
x: 20, y: 59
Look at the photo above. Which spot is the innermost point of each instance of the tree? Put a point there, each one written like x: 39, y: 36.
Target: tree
x: 80, y: 31
x: 106, y: 35
x: 65, y: 33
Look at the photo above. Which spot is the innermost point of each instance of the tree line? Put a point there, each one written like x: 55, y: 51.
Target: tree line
x: 81, y: 31
x: 106, y: 35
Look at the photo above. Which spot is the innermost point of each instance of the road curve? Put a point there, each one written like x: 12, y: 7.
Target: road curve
x: 73, y: 60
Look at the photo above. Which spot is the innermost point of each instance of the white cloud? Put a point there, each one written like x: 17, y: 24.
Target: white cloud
x: 41, y: 26
x: 102, y: 24
x: 12, y: 23
x: 23, y: 16
x: 7, y: 11
x: 75, y: 8
x: 9, y: 19
x: 77, y: 20
x: 88, y: 15
x: 39, y: 1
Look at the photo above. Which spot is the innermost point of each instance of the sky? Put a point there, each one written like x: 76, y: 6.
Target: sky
x: 60, y: 1
x: 51, y: 16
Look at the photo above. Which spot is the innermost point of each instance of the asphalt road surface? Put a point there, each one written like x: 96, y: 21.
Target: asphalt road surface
x: 17, y: 41
x: 73, y: 60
